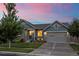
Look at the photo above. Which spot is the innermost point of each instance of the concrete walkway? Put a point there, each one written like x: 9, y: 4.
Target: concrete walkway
x: 54, y: 49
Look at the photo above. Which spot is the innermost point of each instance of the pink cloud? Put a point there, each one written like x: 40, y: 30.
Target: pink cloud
x: 37, y: 8
x: 34, y: 10
x: 2, y: 7
x: 40, y: 8
x: 39, y: 11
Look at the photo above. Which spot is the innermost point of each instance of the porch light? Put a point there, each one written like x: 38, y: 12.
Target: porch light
x: 67, y: 34
x: 45, y: 33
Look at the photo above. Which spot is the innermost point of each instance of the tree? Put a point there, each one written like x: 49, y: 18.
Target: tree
x: 74, y: 28
x: 11, y: 26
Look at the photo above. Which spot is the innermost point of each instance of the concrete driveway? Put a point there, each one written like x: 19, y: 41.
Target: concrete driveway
x: 54, y: 49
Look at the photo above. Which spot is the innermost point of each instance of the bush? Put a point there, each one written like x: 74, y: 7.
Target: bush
x: 22, y: 40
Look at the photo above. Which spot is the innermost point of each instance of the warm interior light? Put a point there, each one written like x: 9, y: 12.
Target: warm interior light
x: 39, y: 33
x: 41, y: 38
x: 38, y: 39
x: 31, y: 32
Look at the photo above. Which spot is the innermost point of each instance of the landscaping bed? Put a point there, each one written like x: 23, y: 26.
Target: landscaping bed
x: 20, y: 47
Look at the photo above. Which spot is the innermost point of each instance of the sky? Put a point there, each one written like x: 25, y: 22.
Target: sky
x: 41, y: 13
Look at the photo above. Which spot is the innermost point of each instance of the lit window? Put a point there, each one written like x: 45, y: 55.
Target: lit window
x: 31, y: 32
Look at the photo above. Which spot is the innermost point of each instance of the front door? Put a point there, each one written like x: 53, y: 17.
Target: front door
x: 39, y: 34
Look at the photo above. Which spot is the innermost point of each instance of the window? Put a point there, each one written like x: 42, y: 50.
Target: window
x: 31, y: 32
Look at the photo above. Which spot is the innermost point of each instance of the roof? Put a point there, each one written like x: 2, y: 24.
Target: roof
x: 44, y: 26
x: 27, y: 23
x: 66, y: 24
x: 40, y: 26
x: 63, y: 24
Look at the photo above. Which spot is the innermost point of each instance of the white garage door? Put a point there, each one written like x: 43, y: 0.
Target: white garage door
x: 56, y: 37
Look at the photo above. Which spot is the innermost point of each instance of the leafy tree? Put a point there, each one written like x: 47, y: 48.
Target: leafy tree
x: 11, y: 26
x: 74, y: 28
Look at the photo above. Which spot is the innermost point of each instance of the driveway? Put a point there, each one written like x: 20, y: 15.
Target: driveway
x: 54, y: 49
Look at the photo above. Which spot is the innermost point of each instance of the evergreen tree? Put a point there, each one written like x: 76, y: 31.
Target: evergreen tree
x: 11, y: 26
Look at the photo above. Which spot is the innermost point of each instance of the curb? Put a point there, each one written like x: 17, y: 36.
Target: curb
x: 13, y: 53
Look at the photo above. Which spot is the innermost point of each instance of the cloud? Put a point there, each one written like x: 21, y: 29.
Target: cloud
x: 44, y: 12
x: 2, y: 7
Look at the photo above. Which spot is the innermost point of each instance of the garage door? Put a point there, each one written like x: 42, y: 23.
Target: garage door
x: 56, y: 37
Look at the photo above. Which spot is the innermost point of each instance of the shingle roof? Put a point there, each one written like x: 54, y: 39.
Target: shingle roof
x: 40, y: 26
x: 43, y: 26
x: 26, y: 22
x: 63, y: 24
x: 66, y: 24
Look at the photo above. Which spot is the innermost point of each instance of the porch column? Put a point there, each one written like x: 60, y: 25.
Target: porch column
x: 34, y: 34
x: 27, y: 34
x: 43, y: 35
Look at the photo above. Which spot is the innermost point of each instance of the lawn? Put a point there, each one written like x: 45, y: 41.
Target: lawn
x: 20, y: 47
x: 75, y: 47
x: 25, y: 50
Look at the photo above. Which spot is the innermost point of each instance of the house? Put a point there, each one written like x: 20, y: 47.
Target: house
x: 54, y: 32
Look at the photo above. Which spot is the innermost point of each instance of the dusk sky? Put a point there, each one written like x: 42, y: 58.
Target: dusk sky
x: 39, y: 13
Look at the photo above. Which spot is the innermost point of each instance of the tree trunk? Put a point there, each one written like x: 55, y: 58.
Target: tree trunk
x: 9, y: 44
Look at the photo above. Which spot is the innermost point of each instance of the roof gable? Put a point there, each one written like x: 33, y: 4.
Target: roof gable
x: 27, y: 24
x: 56, y: 26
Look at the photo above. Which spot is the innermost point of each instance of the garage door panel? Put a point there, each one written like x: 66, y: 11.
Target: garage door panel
x: 56, y: 37
x: 56, y: 34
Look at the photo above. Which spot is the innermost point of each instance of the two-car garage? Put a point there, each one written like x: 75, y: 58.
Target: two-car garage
x: 56, y: 37
x: 56, y: 33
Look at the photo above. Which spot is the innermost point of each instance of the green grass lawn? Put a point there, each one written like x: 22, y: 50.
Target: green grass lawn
x: 20, y: 47
x: 75, y: 47
x: 25, y: 50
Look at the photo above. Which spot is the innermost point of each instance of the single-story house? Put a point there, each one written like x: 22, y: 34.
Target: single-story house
x: 54, y: 32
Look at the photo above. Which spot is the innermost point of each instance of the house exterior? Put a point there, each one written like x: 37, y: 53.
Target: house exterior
x: 54, y: 32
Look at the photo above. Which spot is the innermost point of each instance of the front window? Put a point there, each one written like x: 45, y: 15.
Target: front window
x: 31, y: 33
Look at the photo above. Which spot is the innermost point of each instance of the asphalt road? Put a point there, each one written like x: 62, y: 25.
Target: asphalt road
x: 8, y: 54
x: 15, y: 54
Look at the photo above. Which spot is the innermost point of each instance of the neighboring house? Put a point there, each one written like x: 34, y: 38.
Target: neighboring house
x: 54, y: 32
